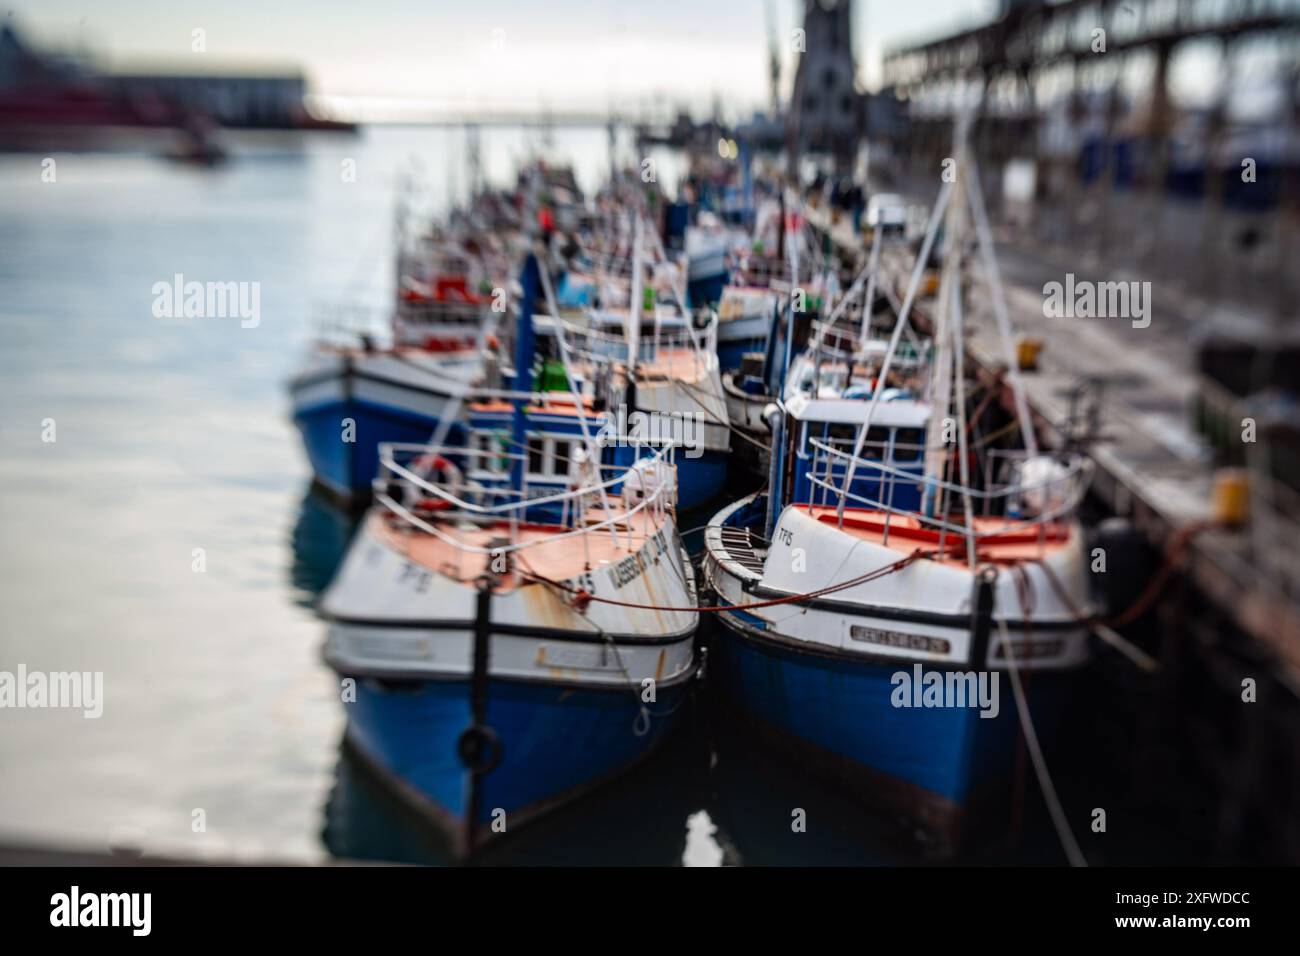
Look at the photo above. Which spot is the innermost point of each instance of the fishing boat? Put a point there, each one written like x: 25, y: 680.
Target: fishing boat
x: 747, y: 311
x: 365, y: 383
x: 753, y: 379
x: 517, y: 618
x: 706, y: 258
x: 352, y: 394
x: 658, y: 363
x: 894, y: 578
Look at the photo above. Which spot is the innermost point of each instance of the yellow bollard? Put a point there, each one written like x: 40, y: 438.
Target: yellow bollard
x: 1028, y: 349
x: 1230, y: 505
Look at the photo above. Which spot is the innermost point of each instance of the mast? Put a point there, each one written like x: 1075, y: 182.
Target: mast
x: 632, y: 331
x: 588, y: 441
x: 864, y: 334
x: 525, y: 346
x: 792, y: 247
x: 985, y: 236
x: 936, y: 216
x: 937, y: 453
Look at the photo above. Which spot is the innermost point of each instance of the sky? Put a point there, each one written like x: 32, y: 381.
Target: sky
x: 482, y: 54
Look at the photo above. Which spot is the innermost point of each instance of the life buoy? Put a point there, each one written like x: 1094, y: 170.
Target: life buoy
x: 438, y: 469
x: 426, y: 505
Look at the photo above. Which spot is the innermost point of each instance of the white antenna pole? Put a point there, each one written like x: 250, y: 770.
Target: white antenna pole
x: 840, y: 307
x: 792, y: 247
x: 985, y: 237
x: 679, y: 294
x: 593, y: 450
x: 658, y: 340
x: 864, y: 334
x: 632, y: 332
x: 935, y: 456
x: 963, y: 464
x: 451, y: 411
x: 940, y: 205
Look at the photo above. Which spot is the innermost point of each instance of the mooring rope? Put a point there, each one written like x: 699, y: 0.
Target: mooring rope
x: 1057, y: 811
x: 696, y: 391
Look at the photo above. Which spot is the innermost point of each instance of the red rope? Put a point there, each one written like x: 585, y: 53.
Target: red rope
x: 582, y: 597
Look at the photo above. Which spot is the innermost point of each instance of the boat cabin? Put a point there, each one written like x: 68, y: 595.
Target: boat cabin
x: 822, y: 433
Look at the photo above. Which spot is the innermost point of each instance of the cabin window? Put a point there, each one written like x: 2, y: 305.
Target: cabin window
x: 535, y: 456
x: 561, y: 465
x: 480, y: 442
x: 877, y: 441
x: 909, y: 444
x: 841, y: 435
x: 844, y: 436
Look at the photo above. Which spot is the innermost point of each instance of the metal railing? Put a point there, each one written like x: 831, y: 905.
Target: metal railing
x: 417, y: 323
x: 599, y: 345
x: 404, y: 487
x: 1059, y: 495
x: 346, y: 325
x: 739, y: 303
x: 616, y: 265
x: 757, y: 271
x: 449, y: 312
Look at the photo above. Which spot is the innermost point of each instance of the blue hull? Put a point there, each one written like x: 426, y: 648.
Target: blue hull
x: 700, y: 480
x: 705, y: 290
x: 730, y: 353
x: 347, y: 468
x: 930, y: 763
x: 557, y: 742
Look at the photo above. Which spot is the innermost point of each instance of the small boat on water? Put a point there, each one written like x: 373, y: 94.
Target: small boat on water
x: 501, y: 612
x: 351, y: 395
x: 895, y: 578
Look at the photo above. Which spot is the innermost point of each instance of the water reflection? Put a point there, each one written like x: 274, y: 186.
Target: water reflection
x: 710, y: 797
x: 320, y: 540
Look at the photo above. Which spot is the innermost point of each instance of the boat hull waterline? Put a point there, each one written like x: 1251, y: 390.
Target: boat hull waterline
x: 566, y: 692
x: 822, y: 675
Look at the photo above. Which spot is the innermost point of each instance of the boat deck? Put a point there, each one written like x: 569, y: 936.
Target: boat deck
x: 744, y: 547
x: 668, y: 363
x: 558, y: 403
x: 546, y: 550
x: 906, y: 532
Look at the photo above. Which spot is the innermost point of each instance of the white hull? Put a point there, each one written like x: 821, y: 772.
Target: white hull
x: 920, y: 613
x: 745, y: 411
x: 419, y: 382
x: 390, y: 617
